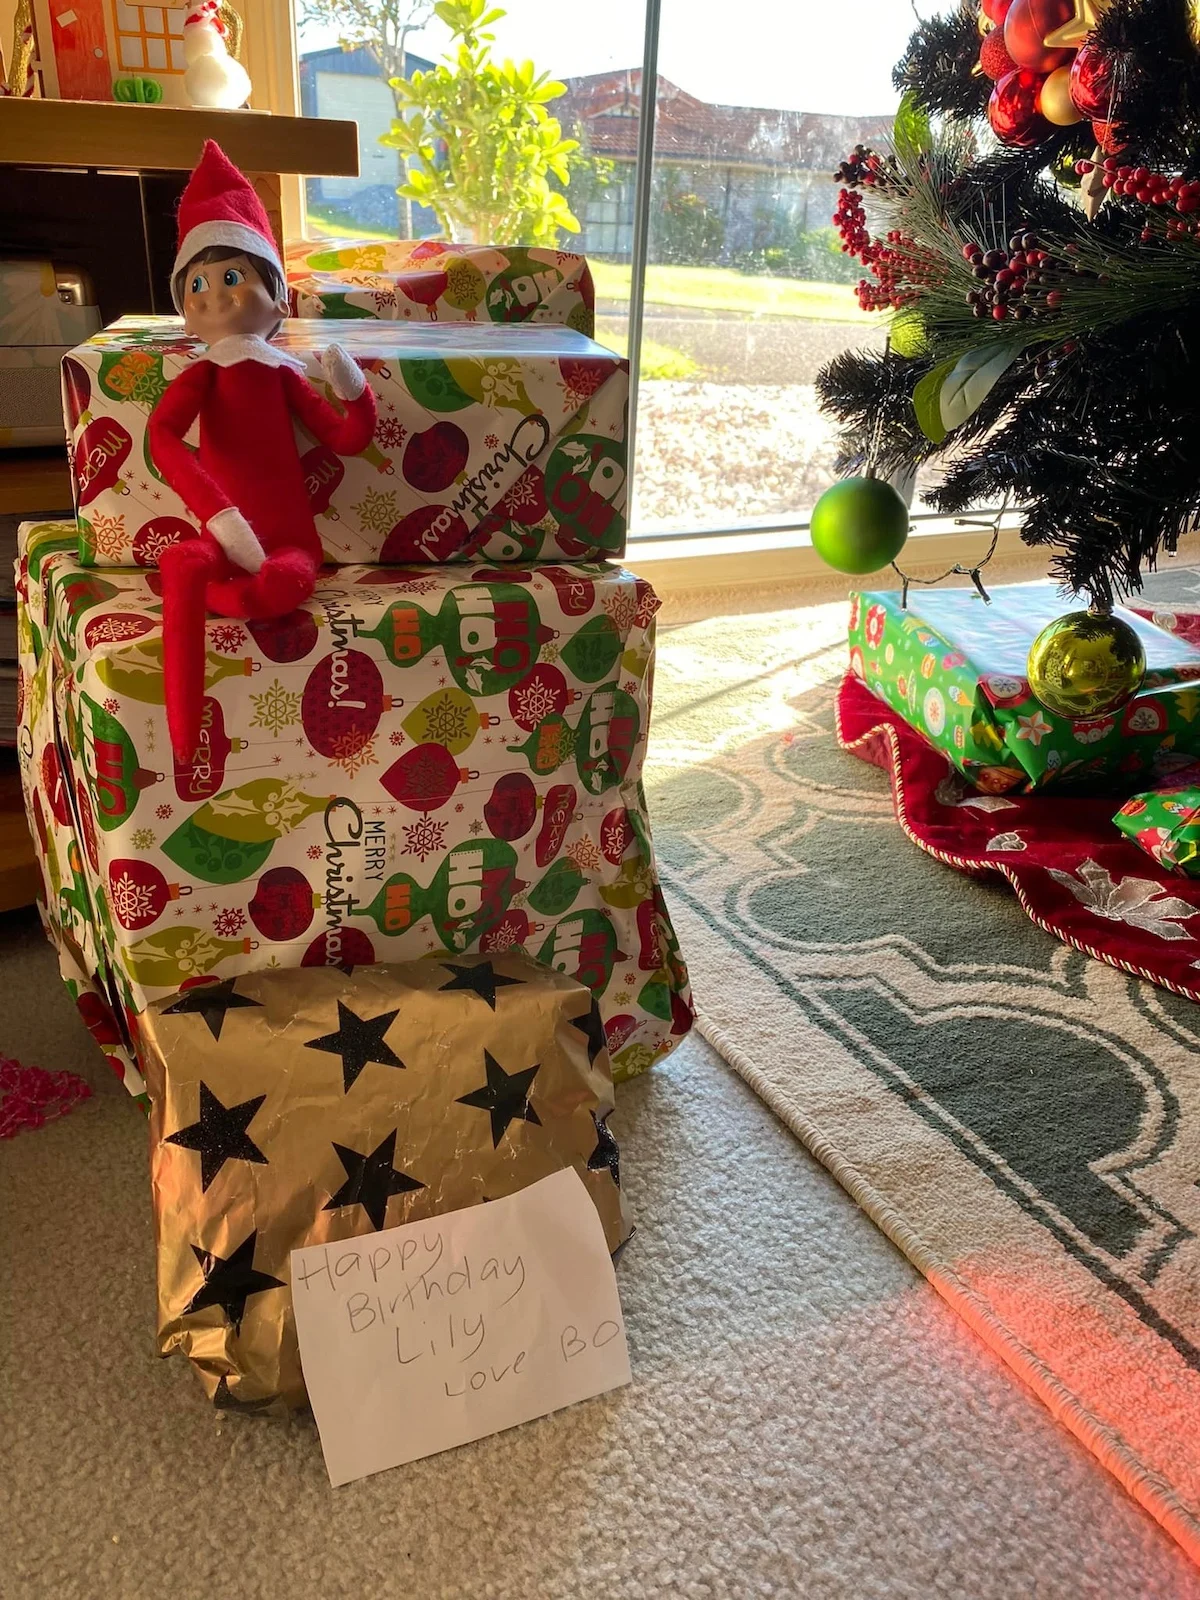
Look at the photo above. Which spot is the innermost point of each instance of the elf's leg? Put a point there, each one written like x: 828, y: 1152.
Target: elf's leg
x: 188, y: 570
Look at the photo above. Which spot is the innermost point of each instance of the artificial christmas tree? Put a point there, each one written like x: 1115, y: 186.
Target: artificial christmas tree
x: 1046, y: 285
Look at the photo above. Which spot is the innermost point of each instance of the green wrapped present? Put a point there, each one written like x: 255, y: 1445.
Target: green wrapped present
x: 1165, y: 822
x: 953, y: 667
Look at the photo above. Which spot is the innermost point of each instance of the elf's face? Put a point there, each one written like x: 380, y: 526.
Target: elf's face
x: 221, y: 298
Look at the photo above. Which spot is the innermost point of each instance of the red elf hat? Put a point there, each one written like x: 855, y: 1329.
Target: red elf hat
x: 219, y: 207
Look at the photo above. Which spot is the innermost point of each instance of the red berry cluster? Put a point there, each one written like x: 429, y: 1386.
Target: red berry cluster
x: 850, y: 220
x: 899, y: 266
x: 862, y: 168
x: 1150, y: 189
x: 1020, y: 282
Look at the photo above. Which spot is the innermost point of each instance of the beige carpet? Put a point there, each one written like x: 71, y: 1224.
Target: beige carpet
x: 807, y: 1417
x: 1022, y: 1121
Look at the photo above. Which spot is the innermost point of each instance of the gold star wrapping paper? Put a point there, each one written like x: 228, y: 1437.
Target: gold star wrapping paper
x: 295, y: 1107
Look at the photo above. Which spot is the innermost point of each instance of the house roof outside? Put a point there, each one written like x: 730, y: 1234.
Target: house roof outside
x: 608, y: 105
x: 359, y: 62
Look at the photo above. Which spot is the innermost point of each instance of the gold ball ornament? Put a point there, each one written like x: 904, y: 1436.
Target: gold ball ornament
x: 1054, y: 99
x: 1085, y: 664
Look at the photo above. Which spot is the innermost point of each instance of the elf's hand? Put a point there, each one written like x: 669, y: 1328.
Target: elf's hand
x: 237, y: 538
x: 345, y: 376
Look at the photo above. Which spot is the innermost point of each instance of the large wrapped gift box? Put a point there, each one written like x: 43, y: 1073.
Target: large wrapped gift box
x: 66, y: 906
x: 506, y: 443
x: 427, y: 280
x: 954, y: 668
x: 421, y: 761
x: 293, y: 1109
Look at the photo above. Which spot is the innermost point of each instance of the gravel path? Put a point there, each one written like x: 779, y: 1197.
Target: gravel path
x: 715, y: 453
x: 745, y: 438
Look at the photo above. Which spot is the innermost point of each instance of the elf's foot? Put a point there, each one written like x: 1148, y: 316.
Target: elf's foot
x: 284, y: 581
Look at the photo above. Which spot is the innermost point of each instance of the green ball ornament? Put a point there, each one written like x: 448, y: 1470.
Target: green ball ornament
x: 859, y: 525
x: 1086, y: 664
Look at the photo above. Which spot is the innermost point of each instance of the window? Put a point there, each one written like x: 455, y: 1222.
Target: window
x: 746, y: 290
x: 149, y: 38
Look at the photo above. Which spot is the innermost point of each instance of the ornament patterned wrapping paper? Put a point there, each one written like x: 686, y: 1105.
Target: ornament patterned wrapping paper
x: 494, y: 442
x: 490, y: 797
x: 296, y: 1108
x: 954, y: 669
x: 1165, y: 822
x: 427, y: 280
x: 66, y: 906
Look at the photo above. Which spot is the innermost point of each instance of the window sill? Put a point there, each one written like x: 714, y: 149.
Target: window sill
x: 749, y: 561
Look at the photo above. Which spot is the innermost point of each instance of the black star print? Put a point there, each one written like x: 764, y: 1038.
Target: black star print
x: 210, y: 1001
x: 506, y: 1096
x: 482, y: 979
x: 607, y: 1153
x: 371, y: 1181
x: 229, y: 1281
x: 358, y: 1040
x: 225, y: 1400
x: 220, y: 1135
x: 591, y: 1026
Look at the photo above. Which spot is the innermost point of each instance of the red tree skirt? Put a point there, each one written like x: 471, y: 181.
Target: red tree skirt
x: 31, y: 1096
x: 1074, y: 874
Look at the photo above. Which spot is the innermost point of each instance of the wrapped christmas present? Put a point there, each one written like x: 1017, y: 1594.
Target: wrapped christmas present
x: 427, y: 280
x: 66, y: 907
x: 492, y: 442
x: 1165, y: 822
x: 954, y: 668
x: 303, y: 1108
x: 419, y: 761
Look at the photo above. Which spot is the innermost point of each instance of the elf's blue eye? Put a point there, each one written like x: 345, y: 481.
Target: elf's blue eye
x: 234, y: 275
x: 199, y: 283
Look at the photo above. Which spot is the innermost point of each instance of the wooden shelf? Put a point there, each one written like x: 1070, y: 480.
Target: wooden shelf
x: 34, y: 480
x: 20, y: 881
x: 112, y: 136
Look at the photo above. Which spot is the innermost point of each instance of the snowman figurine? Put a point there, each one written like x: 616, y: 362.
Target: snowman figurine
x: 213, y: 77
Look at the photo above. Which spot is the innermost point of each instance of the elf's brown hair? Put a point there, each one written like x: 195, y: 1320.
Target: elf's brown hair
x: 267, y: 270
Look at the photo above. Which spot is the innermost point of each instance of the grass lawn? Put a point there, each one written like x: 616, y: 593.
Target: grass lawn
x: 723, y: 289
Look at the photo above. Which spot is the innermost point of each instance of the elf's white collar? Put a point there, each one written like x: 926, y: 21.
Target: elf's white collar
x: 228, y: 352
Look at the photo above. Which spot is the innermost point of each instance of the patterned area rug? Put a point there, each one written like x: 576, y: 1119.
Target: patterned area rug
x: 1023, y: 1122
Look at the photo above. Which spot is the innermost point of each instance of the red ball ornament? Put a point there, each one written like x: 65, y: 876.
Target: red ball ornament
x: 1109, y: 136
x: 994, y: 57
x: 1025, y: 29
x: 511, y: 810
x: 283, y: 904
x: 138, y: 894
x: 1013, y: 112
x: 339, y: 947
x: 1092, y: 82
x: 996, y: 10
x: 425, y: 777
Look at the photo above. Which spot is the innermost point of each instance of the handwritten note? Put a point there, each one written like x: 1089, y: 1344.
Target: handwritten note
x: 424, y: 1337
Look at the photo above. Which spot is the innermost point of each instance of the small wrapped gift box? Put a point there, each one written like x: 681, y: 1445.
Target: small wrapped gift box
x: 954, y: 668
x: 427, y: 280
x: 441, y: 759
x: 303, y: 1108
x: 504, y: 443
x: 1165, y: 822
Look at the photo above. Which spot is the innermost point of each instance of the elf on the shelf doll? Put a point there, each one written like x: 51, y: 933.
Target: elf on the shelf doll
x: 258, y: 551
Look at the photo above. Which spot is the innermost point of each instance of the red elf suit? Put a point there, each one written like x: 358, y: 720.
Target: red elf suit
x: 259, y: 551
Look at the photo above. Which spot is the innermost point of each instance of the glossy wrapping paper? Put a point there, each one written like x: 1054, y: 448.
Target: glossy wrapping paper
x: 295, y: 1108
x: 1165, y: 822
x: 954, y: 668
x: 501, y: 442
x: 427, y: 280
x: 419, y: 762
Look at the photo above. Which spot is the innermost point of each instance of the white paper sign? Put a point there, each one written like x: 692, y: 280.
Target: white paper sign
x: 424, y: 1337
